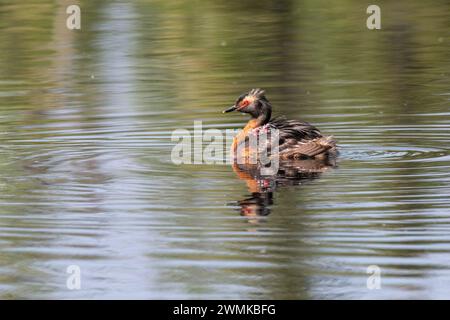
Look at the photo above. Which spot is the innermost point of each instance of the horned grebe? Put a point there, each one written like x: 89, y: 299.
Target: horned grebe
x: 297, y: 139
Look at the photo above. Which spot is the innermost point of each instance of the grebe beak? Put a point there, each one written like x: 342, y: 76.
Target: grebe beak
x: 232, y: 108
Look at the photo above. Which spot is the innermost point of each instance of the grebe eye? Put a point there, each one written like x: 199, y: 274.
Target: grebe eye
x: 244, y: 103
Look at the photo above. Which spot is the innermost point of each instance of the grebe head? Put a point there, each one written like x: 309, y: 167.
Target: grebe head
x: 254, y: 103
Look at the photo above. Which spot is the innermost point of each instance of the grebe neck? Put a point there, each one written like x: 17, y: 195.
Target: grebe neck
x: 264, y: 117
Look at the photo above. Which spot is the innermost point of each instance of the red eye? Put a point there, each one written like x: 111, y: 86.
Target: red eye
x: 244, y: 103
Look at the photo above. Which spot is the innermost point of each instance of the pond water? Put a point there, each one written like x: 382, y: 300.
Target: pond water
x: 86, y: 177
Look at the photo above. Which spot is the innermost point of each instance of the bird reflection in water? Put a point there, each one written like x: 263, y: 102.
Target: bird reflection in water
x: 262, y: 187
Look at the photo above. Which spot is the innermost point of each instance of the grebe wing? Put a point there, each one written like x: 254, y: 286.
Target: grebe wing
x: 294, y: 129
x: 311, y: 148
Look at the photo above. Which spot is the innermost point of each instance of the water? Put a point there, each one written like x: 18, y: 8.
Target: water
x: 86, y: 178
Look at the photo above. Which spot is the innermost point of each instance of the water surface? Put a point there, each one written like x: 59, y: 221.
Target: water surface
x: 86, y: 177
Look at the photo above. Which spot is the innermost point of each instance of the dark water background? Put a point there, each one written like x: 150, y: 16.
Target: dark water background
x: 86, y: 178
